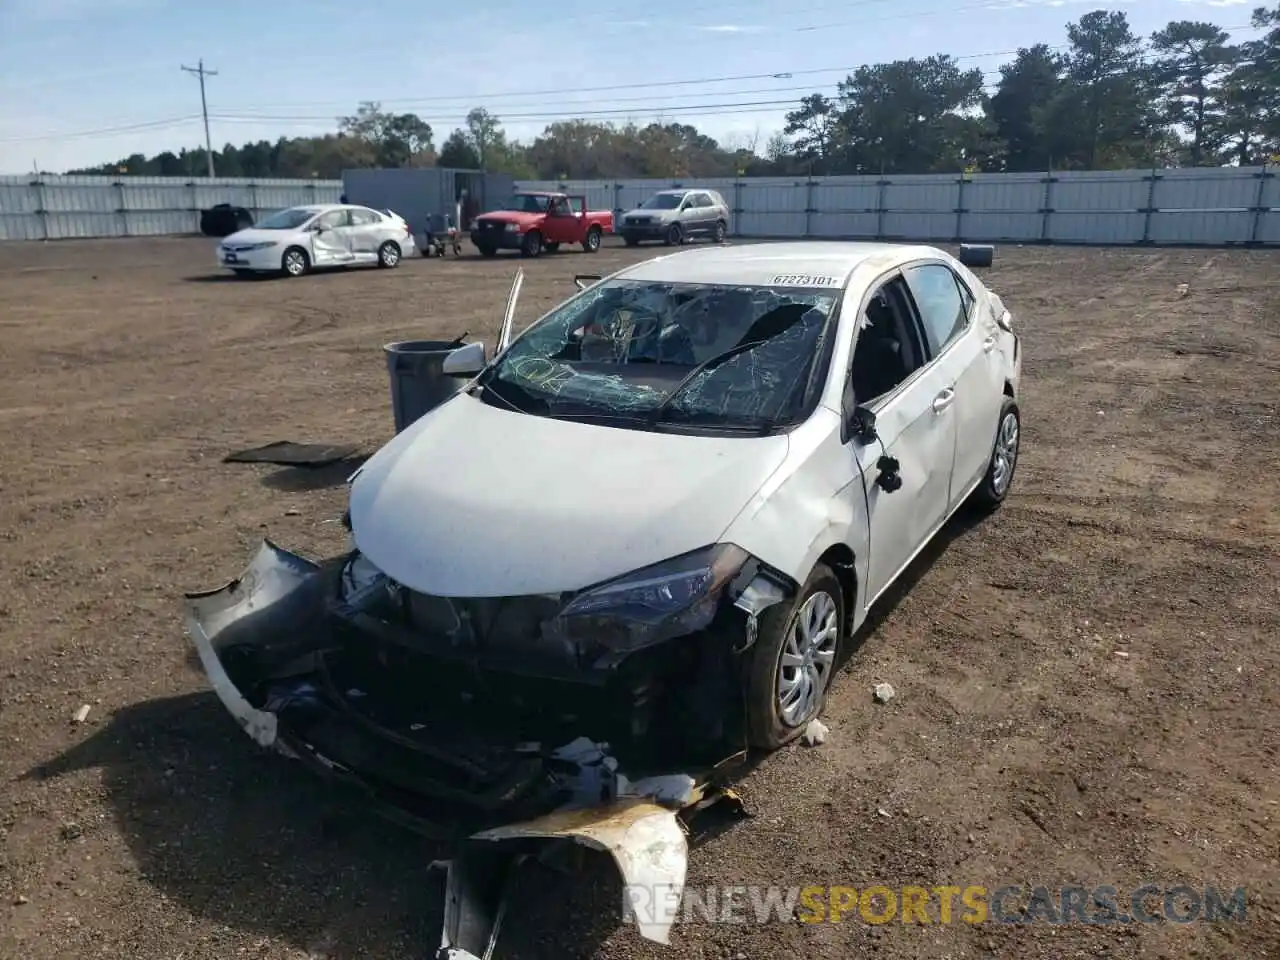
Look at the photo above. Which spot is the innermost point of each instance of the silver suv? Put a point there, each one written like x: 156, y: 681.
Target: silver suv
x: 674, y: 216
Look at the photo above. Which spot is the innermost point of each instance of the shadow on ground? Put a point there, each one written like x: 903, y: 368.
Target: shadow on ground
x: 306, y: 479
x: 247, y: 839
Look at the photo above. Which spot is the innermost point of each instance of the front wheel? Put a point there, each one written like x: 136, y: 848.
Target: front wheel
x: 487, y: 251
x: 389, y: 255
x: 630, y: 241
x: 551, y: 247
x: 295, y: 262
x: 591, y: 243
x: 531, y: 246
x: 675, y: 236
x: 793, y: 660
x: 1004, y: 458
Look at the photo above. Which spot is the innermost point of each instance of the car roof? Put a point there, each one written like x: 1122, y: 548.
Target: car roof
x: 759, y: 264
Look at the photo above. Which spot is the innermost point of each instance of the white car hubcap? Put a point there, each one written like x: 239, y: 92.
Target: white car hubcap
x: 293, y: 263
x: 808, y: 655
x: 1006, y: 453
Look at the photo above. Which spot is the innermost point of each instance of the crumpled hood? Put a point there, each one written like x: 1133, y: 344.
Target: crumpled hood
x: 511, y: 216
x: 477, y: 501
x: 254, y: 235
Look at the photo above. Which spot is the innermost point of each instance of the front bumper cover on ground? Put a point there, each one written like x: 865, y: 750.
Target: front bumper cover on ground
x: 279, y: 602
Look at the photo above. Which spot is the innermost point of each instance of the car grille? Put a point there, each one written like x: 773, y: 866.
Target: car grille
x: 638, y: 221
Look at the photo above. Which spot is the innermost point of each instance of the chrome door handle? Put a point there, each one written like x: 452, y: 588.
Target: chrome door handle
x: 988, y: 344
x: 943, y: 400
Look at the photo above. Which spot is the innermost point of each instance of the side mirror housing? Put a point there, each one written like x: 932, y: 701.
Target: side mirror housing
x: 857, y: 421
x: 466, y: 361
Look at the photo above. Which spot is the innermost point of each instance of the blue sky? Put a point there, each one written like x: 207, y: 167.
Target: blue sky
x: 88, y: 81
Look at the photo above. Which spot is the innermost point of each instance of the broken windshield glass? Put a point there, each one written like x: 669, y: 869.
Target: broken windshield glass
x: 706, y: 354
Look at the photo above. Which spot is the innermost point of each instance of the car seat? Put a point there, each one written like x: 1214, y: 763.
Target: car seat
x: 877, y: 356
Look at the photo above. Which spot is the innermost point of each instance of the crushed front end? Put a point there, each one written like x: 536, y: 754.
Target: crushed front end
x: 616, y: 708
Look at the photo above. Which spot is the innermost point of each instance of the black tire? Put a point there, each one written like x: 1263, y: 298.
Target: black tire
x: 531, y: 245
x: 551, y: 247
x: 591, y: 242
x: 717, y: 235
x: 997, y: 483
x: 675, y: 236
x: 295, y: 262
x: 630, y: 241
x: 487, y: 251
x: 389, y: 255
x: 767, y: 727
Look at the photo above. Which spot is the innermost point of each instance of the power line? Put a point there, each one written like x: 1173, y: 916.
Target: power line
x: 201, y: 72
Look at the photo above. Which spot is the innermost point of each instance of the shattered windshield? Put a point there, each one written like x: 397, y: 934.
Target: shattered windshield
x: 527, y: 203
x: 643, y: 353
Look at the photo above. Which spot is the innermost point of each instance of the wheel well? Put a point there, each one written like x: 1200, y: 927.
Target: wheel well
x: 840, y: 559
x: 293, y: 246
x: 1008, y: 389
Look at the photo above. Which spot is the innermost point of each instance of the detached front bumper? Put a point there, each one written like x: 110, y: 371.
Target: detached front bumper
x: 263, y: 640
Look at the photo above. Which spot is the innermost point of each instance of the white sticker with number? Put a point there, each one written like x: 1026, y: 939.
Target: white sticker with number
x: 804, y: 280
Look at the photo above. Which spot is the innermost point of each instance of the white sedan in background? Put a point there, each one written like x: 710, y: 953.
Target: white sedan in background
x: 294, y: 240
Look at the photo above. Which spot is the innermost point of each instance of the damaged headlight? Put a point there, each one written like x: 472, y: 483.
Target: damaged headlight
x: 360, y: 582
x: 672, y: 598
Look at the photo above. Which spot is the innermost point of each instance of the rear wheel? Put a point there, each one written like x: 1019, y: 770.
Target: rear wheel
x: 389, y: 254
x: 591, y: 242
x: 531, y: 246
x: 717, y: 235
x: 675, y: 236
x: 793, y: 660
x: 1004, y: 458
x: 295, y: 262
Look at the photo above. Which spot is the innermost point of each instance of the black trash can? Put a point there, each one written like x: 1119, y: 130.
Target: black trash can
x: 418, y: 382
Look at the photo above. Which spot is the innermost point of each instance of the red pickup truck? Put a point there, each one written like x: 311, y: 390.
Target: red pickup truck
x: 532, y: 222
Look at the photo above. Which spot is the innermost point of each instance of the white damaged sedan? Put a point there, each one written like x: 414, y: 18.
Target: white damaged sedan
x: 296, y: 240
x: 648, y: 525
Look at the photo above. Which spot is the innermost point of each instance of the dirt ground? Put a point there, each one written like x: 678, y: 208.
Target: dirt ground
x: 1086, y: 682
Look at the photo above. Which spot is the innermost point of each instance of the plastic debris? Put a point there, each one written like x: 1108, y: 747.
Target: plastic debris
x: 669, y: 788
x: 81, y: 715
x: 884, y: 692
x: 815, y: 733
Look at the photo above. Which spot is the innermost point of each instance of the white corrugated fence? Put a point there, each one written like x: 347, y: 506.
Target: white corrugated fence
x: 58, y: 208
x: 1215, y: 206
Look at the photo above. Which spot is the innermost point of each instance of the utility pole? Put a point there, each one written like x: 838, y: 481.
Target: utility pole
x: 201, y: 72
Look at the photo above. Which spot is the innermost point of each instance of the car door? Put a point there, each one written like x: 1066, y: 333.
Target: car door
x: 706, y: 214
x: 330, y: 238
x: 689, y: 215
x: 965, y: 349
x: 906, y: 468
x: 560, y: 224
x: 368, y: 229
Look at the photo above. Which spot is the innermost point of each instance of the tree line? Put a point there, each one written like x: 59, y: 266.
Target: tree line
x: 1107, y: 99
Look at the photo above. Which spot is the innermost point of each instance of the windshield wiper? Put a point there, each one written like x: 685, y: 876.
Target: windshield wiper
x: 779, y: 328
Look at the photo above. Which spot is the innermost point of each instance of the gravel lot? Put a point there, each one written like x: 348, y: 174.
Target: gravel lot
x: 1087, y: 682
